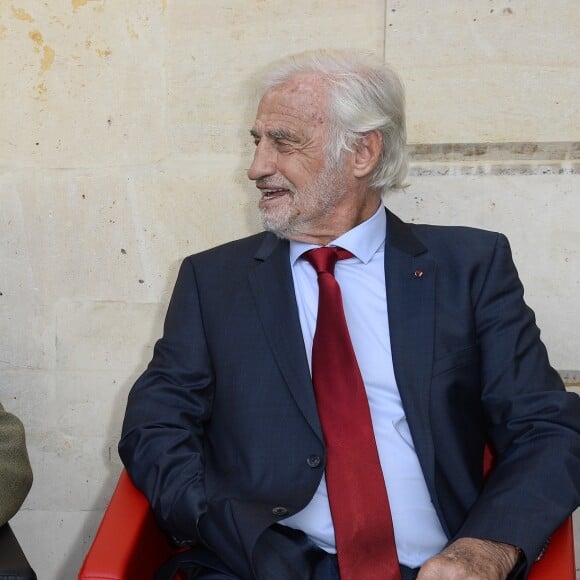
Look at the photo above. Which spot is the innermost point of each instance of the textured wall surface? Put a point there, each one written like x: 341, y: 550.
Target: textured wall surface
x: 123, y: 147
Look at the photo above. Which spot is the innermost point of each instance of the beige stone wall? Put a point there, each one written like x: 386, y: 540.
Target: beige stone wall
x: 123, y: 148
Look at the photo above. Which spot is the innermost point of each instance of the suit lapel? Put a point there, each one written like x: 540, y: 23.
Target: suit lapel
x: 410, y: 279
x: 273, y: 288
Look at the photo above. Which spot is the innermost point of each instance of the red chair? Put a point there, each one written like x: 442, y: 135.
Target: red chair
x: 129, y: 545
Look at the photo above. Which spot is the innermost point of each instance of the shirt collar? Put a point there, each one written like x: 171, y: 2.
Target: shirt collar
x: 364, y: 240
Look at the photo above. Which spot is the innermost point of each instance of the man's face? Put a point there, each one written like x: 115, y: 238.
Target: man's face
x: 300, y: 189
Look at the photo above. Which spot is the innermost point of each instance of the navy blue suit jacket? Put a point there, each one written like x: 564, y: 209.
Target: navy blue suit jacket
x: 221, y: 429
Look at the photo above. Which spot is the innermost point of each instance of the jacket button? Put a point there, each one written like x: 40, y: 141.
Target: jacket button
x: 314, y: 460
x: 279, y: 511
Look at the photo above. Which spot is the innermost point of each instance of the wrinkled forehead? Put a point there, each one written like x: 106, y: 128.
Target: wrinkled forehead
x: 302, y: 98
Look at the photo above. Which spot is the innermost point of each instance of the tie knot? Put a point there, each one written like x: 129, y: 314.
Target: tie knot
x: 324, y: 259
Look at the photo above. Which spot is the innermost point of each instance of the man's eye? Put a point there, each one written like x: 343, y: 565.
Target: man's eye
x: 283, y: 146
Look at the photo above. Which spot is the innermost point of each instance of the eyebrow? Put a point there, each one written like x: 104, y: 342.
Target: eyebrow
x: 282, y: 135
x: 276, y: 135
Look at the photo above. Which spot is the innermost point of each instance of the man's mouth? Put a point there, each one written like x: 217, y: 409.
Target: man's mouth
x: 268, y: 194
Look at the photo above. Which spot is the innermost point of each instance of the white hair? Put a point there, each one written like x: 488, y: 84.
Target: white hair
x: 363, y: 97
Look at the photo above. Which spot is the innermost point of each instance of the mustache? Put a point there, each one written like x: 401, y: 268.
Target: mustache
x: 266, y: 183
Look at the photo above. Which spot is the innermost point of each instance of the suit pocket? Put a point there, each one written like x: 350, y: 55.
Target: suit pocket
x: 456, y: 360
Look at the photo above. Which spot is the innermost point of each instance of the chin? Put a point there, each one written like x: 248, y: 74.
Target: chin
x: 273, y: 223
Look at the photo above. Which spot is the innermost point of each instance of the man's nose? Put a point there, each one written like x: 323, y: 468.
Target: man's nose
x: 264, y: 162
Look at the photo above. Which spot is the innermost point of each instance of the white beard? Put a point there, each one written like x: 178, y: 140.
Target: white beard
x: 301, y: 208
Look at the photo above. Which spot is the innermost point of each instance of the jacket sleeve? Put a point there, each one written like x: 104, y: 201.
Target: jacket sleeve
x: 534, y: 424
x: 15, y: 471
x: 162, y: 438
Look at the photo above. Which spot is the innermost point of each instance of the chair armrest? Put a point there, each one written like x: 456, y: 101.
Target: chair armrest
x: 557, y: 560
x: 13, y: 562
x: 128, y: 544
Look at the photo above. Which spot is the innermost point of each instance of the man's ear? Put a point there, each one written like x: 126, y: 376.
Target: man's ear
x: 367, y: 153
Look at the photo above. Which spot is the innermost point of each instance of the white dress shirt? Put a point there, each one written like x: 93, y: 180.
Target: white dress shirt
x: 418, y: 532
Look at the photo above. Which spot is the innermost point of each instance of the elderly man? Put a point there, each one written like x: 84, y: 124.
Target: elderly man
x: 319, y: 404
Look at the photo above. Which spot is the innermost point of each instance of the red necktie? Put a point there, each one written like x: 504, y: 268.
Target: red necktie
x: 359, y: 504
